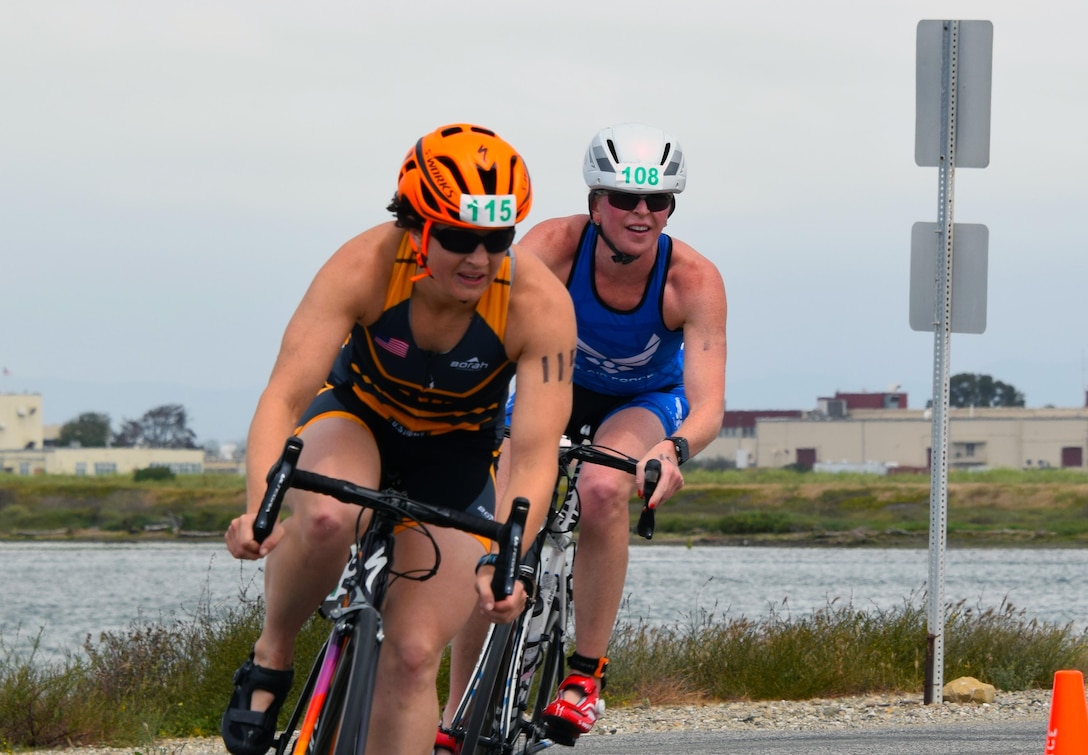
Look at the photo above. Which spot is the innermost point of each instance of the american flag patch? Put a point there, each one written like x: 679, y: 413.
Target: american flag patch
x: 393, y: 346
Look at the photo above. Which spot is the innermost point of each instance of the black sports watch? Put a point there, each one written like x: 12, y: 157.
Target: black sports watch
x: 681, y: 447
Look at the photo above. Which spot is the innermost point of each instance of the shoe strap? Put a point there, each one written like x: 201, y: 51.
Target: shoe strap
x: 588, y: 666
x: 584, y: 684
x: 445, y: 740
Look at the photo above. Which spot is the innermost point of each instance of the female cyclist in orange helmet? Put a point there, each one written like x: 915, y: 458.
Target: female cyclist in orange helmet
x: 394, y: 369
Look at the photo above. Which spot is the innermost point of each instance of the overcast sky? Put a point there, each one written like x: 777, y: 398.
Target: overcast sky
x: 173, y: 174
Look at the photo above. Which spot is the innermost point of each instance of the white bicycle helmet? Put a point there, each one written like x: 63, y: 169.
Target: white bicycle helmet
x: 635, y: 158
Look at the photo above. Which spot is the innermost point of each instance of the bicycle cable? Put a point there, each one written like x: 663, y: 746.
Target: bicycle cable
x: 408, y: 524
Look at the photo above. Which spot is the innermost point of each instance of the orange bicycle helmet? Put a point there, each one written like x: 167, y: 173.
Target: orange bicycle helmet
x: 464, y: 175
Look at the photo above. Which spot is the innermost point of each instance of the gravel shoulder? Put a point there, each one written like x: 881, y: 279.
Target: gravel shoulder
x: 867, y: 711
x: 862, y: 712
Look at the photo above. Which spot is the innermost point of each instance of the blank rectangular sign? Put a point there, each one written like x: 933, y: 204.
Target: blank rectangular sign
x: 974, y: 71
x: 970, y: 252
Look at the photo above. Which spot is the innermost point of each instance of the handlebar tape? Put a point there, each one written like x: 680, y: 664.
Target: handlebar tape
x: 649, y: 485
x: 279, y: 479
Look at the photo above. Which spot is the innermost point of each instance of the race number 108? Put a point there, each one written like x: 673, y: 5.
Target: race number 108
x: 639, y: 175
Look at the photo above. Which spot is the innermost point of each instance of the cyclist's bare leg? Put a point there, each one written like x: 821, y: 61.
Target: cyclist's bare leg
x: 600, y: 566
x: 464, y: 653
x: 305, y: 565
x: 420, y: 619
x: 470, y: 639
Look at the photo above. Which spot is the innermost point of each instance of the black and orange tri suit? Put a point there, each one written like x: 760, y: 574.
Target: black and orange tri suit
x: 437, y: 418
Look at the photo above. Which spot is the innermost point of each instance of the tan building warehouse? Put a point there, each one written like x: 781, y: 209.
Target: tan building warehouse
x: 21, y: 421
x: 23, y: 450
x: 839, y: 435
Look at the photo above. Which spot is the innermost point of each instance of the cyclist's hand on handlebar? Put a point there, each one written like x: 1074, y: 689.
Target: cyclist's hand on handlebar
x: 241, y: 543
x: 671, y: 479
x: 498, y: 611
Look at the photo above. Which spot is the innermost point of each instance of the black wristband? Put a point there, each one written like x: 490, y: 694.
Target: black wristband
x: 680, y: 446
x: 489, y: 559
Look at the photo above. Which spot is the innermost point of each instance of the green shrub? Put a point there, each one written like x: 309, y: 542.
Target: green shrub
x: 753, y: 523
x: 153, y: 474
x: 39, y: 704
x: 836, y: 651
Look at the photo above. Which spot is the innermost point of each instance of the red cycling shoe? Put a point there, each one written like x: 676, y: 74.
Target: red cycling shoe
x: 444, y: 740
x: 565, y: 721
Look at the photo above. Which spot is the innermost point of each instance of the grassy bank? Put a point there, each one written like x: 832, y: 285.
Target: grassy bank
x: 1003, y: 507
x: 158, y: 681
x: 108, y: 507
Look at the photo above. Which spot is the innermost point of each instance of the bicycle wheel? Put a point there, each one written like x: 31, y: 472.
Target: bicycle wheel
x: 540, y: 681
x: 323, y: 735
x: 481, y: 714
x: 352, y: 717
x: 286, y: 741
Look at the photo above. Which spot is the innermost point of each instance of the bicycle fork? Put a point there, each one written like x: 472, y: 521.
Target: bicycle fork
x: 351, y: 608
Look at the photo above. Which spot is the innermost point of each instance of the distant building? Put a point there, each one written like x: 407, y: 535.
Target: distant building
x: 23, y: 450
x: 887, y: 400
x: 877, y: 432
x: 21, y: 421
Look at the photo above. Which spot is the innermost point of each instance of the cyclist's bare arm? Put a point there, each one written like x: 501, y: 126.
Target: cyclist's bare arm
x: 696, y: 298
x: 341, y: 294
x: 556, y: 242
x: 541, y: 337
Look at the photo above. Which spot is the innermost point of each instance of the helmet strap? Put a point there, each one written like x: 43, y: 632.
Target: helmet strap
x: 622, y: 258
x: 421, y: 254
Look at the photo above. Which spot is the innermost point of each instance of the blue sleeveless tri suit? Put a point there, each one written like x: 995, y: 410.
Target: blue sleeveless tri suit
x: 625, y: 358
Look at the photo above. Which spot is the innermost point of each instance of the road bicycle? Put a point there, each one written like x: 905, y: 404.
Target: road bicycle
x: 521, y: 664
x: 332, y: 714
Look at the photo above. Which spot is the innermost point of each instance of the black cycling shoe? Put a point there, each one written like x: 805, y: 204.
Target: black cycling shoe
x: 251, y: 732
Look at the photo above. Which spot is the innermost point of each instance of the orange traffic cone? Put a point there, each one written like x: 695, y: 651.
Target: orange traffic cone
x: 1067, y: 732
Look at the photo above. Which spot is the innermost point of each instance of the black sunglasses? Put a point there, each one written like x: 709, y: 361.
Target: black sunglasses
x: 625, y: 201
x: 462, y: 241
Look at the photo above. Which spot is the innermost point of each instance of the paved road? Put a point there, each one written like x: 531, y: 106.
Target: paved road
x: 1018, y: 738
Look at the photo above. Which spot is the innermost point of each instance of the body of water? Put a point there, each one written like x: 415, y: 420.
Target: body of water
x: 674, y: 583
x: 67, y: 591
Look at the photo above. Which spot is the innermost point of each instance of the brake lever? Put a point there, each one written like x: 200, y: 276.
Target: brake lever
x: 509, y: 557
x: 279, y: 480
x: 646, y: 520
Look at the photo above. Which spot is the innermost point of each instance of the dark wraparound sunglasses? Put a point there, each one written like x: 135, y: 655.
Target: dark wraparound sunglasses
x: 462, y: 241
x: 626, y: 201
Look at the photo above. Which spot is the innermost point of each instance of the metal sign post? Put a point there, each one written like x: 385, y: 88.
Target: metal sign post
x: 961, y: 124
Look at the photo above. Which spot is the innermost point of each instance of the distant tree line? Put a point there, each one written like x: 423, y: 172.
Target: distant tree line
x: 164, y: 426
x: 969, y: 389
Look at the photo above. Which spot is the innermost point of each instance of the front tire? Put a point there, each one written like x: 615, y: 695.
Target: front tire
x: 542, y: 688
x: 350, y: 717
